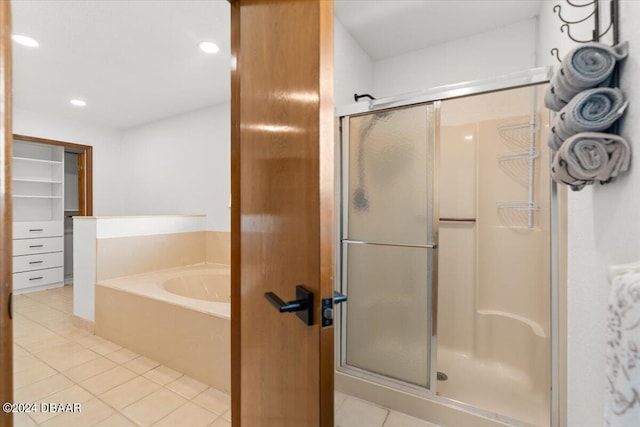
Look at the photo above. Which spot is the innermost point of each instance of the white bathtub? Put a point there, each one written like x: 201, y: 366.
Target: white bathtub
x: 178, y: 317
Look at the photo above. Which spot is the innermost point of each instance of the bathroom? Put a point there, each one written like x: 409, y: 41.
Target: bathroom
x: 161, y: 168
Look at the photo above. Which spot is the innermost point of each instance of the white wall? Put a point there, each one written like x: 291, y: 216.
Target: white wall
x: 180, y: 165
x: 107, y: 199
x: 353, y: 68
x: 490, y: 54
x: 603, y: 230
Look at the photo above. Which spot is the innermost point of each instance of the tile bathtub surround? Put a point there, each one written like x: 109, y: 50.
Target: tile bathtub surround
x: 219, y: 247
x: 118, y: 387
x: 125, y: 256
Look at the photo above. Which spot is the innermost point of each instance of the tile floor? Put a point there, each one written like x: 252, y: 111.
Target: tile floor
x: 55, y: 361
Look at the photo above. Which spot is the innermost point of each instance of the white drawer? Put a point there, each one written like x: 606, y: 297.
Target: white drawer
x: 30, y: 279
x: 34, y: 229
x: 37, y: 246
x: 37, y: 262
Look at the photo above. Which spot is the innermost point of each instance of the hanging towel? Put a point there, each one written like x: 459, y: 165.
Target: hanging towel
x: 593, y: 110
x: 588, y: 157
x: 584, y: 67
x: 622, y: 405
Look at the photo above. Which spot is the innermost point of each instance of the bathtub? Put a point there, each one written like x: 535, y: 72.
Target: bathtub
x: 178, y: 317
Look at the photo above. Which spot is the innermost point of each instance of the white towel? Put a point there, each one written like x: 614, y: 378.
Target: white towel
x: 622, y: 405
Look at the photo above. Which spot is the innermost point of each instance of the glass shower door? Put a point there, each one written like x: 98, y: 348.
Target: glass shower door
x: 388, y: 243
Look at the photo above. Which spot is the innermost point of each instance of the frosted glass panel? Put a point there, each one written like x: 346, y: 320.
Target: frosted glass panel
x: 387, y: 322
x: 390, y: 176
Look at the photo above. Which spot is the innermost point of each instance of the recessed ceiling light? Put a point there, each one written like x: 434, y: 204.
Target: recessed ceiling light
x: 209, y: 47
x: 24, y: 40
x: 78, y: 102
x: 468, y: 137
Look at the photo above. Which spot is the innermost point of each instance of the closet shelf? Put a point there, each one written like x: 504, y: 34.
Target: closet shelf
x: 29, y: 196
x: 27, y: 159
x: 37, y: 180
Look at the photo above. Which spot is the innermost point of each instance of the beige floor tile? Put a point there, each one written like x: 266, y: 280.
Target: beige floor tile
x: 122, y: 356
x: 141, y: 364
x: 37, y: 373
x: 41, y: 389
x: 74, y: 394
x: 227, y: 415
x: 221, y: 422
x: 396, y: 419
x: 89, y: 369
x: 162, y: 375
x: 24, y: 361
x: 188, y: 415
x: 213, y: 400
x: 66, y: 356
x: 19, y: 352
x: 46, y: 344
x: 91, y: 341
x: 129, y: 392
x: 358, y: 413
x: 93, y: 411
x: 187, y: 387
x: 153, y: 407
x: 117, y: 420
x: 33, y: 335
x: 71, y: 332
x: 107, y: 380
x: 106, y: 348
x: 23, y: 420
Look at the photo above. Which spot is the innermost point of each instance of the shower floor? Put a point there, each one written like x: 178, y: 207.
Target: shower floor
x: 492, y: 387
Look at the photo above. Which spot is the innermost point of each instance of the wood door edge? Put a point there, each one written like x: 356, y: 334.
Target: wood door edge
x: 6, y: 286
x: 236, y: 346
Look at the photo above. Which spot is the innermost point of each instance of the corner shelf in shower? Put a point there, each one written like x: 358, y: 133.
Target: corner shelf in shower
x: 519, y: 165
x: 518, y: 135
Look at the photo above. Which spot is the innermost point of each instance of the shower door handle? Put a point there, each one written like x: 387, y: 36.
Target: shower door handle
x: 302, y: 305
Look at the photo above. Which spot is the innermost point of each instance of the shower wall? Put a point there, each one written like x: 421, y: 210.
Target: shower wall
x: 494, y: 272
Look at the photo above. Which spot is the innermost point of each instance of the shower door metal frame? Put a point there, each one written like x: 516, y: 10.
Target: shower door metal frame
x: 527, y: 78
x: 433, y: 130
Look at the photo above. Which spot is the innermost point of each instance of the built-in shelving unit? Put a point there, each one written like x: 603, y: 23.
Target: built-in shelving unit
x: 38, y: 228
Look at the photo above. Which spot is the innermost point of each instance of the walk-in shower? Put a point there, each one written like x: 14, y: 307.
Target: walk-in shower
x: 446, y: 249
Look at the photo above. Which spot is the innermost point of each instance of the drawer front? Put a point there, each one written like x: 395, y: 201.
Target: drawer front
x: 35, y: 229
x: 37, y: 246
x: 37, y: 262
x: 30, y: 279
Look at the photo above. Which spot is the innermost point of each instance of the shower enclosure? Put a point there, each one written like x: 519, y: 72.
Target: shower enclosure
x: 446, y: 249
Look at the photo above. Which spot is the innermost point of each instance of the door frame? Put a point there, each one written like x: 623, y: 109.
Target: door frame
x: 6, y: 255
x: 85, y: 168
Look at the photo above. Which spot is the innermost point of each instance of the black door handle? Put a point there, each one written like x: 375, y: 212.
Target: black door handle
x: 302, y: 305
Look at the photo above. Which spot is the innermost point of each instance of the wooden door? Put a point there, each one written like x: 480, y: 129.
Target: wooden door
x: 6, y: 336
x: 282, y: 210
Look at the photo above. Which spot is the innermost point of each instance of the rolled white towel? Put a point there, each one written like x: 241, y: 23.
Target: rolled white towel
x: 593, y: 110
x: 584, y: 67
x: 588, y: 157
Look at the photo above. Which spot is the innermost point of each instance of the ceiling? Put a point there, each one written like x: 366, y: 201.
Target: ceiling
x: 138, y: 61
x: 387, y: 28
x: 131, y: 61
